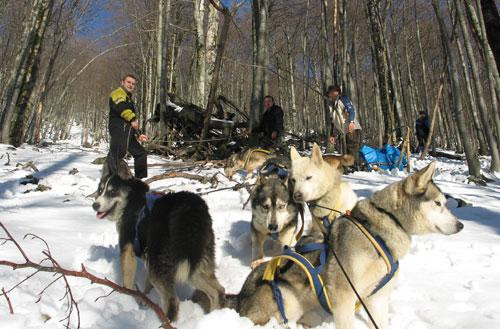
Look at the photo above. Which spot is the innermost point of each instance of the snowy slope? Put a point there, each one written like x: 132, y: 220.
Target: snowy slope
x: 445, y: 282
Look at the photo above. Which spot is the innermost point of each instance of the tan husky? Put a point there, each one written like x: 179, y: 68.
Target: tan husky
x: 248, y: 160
x: 319, y: 184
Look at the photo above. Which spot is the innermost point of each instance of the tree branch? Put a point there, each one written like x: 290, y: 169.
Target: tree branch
x: 83, y: 273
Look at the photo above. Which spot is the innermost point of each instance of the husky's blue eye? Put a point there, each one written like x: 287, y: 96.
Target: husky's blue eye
x: 437, y: 203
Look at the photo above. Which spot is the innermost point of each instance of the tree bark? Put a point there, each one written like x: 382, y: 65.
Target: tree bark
x: 382, y: 69
x: 199, y: 54
x: 259, y: 21
x: 161, y: 60
x: 478, y: 88
x: 471, y: 153
x: 24, y: 74
x: 492, y: 25
x: 224, y: 32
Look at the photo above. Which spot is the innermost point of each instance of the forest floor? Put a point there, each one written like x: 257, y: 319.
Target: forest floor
x: 444, y: 282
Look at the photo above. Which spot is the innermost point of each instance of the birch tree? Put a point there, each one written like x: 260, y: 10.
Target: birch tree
x: 24, y: 73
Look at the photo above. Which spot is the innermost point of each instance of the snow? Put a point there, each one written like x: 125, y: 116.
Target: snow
x: 444, y: 282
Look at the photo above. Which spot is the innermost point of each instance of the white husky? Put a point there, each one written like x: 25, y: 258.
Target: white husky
x: 319, y: 184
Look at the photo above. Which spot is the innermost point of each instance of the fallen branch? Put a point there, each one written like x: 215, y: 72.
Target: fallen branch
x: 236, y: 187
x: 11, y: 310
x: 188, y: 163
x: 83, y: 273
x: 202, y: 179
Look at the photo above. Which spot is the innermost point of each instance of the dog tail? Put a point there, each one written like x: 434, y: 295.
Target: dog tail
x: 231, y: 301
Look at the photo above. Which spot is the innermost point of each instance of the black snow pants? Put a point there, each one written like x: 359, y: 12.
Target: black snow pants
x: 123, y: 137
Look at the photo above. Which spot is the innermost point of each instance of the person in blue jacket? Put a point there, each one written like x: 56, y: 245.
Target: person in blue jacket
x: 344, y: 122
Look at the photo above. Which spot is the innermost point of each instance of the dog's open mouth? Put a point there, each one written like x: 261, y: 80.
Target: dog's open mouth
x: 103, y: 214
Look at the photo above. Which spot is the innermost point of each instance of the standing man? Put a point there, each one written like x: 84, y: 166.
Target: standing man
x: 422, y: 128
x: 123, y: 127
x: 271, y: 124
x: 344, y: 122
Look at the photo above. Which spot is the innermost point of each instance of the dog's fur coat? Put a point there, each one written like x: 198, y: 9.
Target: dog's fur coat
x: 177, y: 239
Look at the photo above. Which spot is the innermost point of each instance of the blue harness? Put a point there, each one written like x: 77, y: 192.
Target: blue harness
x: 314, y: 273
x: 274, y: 168
x: 144, y: 214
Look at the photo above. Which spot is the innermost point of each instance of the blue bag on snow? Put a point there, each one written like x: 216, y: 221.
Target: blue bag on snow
x: 385, y: 158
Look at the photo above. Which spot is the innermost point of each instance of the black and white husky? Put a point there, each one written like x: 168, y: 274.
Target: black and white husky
x: 172, y: 233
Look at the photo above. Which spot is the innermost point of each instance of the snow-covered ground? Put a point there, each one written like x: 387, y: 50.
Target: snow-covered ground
x: 444, y: 282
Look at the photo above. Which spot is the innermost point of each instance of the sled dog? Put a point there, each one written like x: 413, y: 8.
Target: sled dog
x: 249, y: 160
x: 412, y: 206
x: 274, y: 214
x: 172, y: 233
x: 318, y: 183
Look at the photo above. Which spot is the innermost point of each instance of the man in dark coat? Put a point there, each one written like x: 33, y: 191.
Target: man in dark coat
x: 422, y: 128
x: 271, y: 125
x: 123, y: 127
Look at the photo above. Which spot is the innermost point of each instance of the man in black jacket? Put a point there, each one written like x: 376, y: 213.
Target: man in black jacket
x: 422, y: 128
x: 271, y: 124
x: 123, y: 127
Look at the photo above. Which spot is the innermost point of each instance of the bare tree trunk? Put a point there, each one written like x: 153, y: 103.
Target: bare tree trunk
x: 382, y: 68
x: 199, y: 54
x: 224, y: 30
x: 478, y: 88
x: 211, y: 42
x: 471, y: 153
x: 480, y: 32
x: 326, y: 71
x: 260, y: 13
x: 24, y: 73
x: 305, y: 73
x: 421, y: 55
x: 161, y: 60
x: 492, y: 25
x: 291, y: 83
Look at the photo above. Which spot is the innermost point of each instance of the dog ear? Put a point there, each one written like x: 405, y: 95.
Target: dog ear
x: 317, y: 157
x: 419, y: 181
x: 347, y: 160
x: 123, y: 171
x: 294, y: 155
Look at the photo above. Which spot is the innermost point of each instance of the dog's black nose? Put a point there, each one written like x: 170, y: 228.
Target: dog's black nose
x: 96, y: 206
x: 297, y: 196
x: 460, y: 226
x: 272, y: 227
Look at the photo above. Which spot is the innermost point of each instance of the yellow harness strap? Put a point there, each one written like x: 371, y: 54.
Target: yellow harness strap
x: 375, y: 244
x: 252, y: 152
x: 275, y: 263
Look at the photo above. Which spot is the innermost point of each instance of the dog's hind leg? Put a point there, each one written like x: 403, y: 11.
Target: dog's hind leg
x: 204, y: 279
x: 165, y: 287
x: 128, y: 265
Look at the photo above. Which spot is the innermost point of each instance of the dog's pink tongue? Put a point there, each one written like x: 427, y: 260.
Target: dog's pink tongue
x: 100, y: 214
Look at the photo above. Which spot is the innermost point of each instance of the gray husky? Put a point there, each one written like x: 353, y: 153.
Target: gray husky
x: 172, y: 233
x: 413, y: 206
x: 274, y: 214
